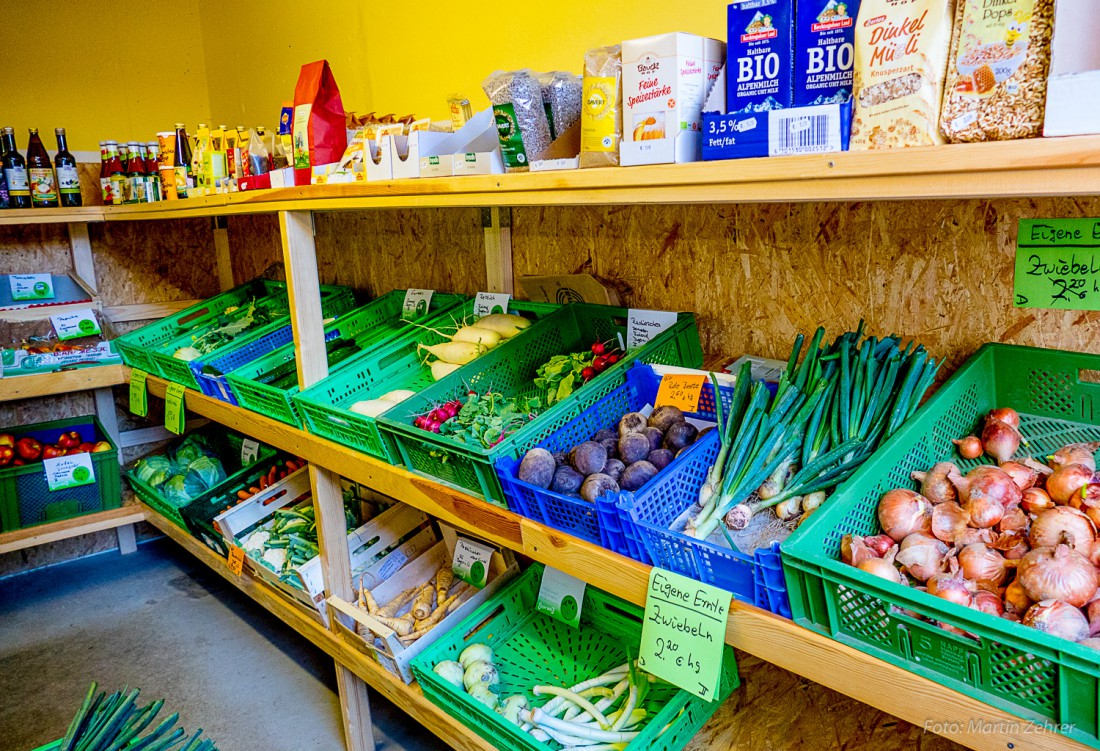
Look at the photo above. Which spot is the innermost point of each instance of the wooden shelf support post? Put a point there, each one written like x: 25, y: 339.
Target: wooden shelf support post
x: 497, y: 224
x: 300, y: 260
x: 221, y: 254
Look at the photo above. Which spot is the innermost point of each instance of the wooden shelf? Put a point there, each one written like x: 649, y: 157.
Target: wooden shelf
x: 40, y: 534
x: 409, y: 698
x: 64, y: 382
x: 767, y: 636
x: 1027, y: 168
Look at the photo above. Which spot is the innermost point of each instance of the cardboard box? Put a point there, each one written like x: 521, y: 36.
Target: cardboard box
x: 664, y: 86
x: 568, y: 288
x: 760, y: 55
x: 1073, y: 87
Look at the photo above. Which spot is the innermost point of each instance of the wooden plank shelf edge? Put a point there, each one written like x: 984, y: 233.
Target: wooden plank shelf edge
x: 40, y: 534
x: 767, y: 636
x: 64, y: 382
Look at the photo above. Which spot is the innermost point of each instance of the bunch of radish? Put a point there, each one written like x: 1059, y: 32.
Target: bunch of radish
x: 434, y: 419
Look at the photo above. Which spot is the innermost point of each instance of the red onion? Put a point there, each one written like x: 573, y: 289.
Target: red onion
x: 1014, y: 520
x: 1005, y: 415
x: 1036, y: 500
x: 903, y: 512
x: 1065, y: 481
x: 979, y: 562
x: 949, y: 520
x: 951, y: 587
x: 988, y: 602
x: 1016, y: 598
x: 1022, y: 475
x: 986, y: 492
x: 1075, y: 453
x: 1058, y: 573
x: 969, y: 447
x: 1063, y: 525
x: 922, y: 555
x: 1058, y: 619
x: 934, y: 484
x: 1000, y: 440
x: 883, y: 567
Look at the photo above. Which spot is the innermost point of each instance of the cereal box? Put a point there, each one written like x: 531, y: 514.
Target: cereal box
x: 824, y: 51
x: 760, y: 53
x: 901, y: 55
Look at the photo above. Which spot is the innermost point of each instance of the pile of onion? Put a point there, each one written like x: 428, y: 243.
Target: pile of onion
x: 1016, y: 540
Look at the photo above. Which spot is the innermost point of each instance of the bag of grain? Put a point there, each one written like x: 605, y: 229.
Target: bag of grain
x: 901, y: 53
x: 602, y: 113
x: 997, y: 72
x: 522, y: 126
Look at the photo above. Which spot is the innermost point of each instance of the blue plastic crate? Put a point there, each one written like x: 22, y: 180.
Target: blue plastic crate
x: 757, y: 579
x: 601, y: 523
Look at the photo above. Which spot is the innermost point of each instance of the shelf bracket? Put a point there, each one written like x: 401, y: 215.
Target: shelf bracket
x: 83, y: 263
x: 221, y: 253
x: 496, y: 223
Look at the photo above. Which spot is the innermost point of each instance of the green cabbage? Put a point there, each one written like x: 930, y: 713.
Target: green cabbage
x: 191, y: 449
x: 153, y: 470
x: 175, y: 491
x: 202, y: 474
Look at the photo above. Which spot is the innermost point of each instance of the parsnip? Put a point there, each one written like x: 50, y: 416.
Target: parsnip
x: 401, y: 626
x: 443, y: 579
x: 422, y: 604
x: 477, y: 335
x: 390, y: 608
x: 424, y: 626
x: 367, y: 599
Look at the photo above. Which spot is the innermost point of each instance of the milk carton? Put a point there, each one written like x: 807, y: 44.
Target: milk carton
x: 664, y: 85
x: 824, y: 51
x: 760, y: 55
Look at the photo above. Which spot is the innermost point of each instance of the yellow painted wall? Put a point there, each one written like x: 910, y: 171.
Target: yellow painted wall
x: 243, y: 58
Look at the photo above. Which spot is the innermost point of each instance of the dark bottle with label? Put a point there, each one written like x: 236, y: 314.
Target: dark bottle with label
x: 40, y: 170
x: 68, y: 180
x: 182, y: 162
x: 15, y: 172
x: 5, y: 200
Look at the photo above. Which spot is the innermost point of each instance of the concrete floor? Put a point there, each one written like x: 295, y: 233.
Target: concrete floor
x: 159, y: 620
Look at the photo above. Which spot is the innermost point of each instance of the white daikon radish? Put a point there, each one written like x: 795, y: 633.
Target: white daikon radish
x: 504, y: 324
x: 397, y: 395
x: 442, y: 369
x: 371, y: 407
x: 459, y: 353
x: 477, y: 335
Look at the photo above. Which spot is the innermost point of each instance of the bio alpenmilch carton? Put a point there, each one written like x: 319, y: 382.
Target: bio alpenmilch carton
x: 760, y: 52
x: 824, y: 51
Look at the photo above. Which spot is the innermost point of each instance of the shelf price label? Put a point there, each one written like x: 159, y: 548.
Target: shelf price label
x: 76, y: 324
x: 236, y: 560
x: 31, y: 287
x: 487, y: 303
x: 416, y: 304
x: 561, y: 596
x: 139, y: 394
x: 684, y: 632
x: 250, y: 449
x: 681, y: 391
x: 644, y: 325
x: 1058, y: 264
x: 69, y: 471
x: 471, y: 562
x: 174, y: 412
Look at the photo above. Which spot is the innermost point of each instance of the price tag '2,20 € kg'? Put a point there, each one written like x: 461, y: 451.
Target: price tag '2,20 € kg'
x: 1058, y: 264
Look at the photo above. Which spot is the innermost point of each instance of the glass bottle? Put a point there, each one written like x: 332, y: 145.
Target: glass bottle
x: 68, y: 179
x: 115, y: 177
x: 135, y: 174
x: 152, y: 168
x: 182, y: 161
x: 15, y: 172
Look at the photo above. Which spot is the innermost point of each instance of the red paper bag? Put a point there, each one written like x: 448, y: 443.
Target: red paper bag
x: 319, y: 134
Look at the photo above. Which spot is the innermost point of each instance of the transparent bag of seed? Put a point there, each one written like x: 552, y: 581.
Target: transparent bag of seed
x: 602, y: 107
x: 522, y: 126
x: 561, y: 98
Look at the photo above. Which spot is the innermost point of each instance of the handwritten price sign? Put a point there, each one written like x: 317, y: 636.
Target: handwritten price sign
x: 680, y: 391
x: 1058, y: 264
x: 236, y: 560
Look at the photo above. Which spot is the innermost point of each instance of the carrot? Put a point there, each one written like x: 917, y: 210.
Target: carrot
x: 263, y: 482
x: 253, y: 490
x: 271, y: 475
x: 244, y: 495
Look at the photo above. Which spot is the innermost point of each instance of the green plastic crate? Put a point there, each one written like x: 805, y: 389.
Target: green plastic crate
x: 324, y: 406
x: 137, y: 347
x: 511, y: 369
x: 531, y: 649
x: 1007, y: 665
x: 50, y: 746
x: 335, y: 301
x: 375, y: 324
x: 25, y: 498
x: 228, y: 447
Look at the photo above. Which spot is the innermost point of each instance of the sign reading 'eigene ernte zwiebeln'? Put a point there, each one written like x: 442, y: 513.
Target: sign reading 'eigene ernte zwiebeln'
x: 1058, y: 264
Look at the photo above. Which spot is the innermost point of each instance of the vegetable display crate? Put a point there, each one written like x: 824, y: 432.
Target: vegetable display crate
x: 511, y: 369
x: 230, y: 449
x: 26, y: 499
x: 375, y: 324
x: 55, y: 746
x: 531, y: 649
x: 1010, y: 666
x: 207, y: 373
x: 598, y: 523
x: 138, y: 346
x: 398, y: 365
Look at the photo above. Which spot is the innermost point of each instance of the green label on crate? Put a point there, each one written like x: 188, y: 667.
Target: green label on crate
x: 1058, y: 264
x: 684, y: 632
x: 174, y: 413
x: 31, y: 286
x: 69, y: 471
x: 471, y: 562
x: 488, y: 303
x: 249, y: 450
x: 561, y: 596
x: 75, y: 325
x: 416, y: 304
x: 139, y: 394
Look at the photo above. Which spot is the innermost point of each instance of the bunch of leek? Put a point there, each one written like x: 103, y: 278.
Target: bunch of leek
x: 115, y: 723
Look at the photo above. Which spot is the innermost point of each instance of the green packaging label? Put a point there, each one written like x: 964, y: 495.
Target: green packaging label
x: 76, y: 324
x: 471, y: 562
x: 561, y: 596
x: 69, y: 471
x: 511, y: 138
x: 31, y: 286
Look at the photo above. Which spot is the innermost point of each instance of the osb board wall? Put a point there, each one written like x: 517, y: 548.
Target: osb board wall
x: 757, y: 274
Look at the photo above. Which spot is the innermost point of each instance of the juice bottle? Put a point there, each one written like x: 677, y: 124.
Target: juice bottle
x: 135, y: 174
x: 68, y: 180
x: 115, y: 177
x: 15, y: 172
x: 152, y: 170
x: 182, y: 162
x: 103, y: 180
x: 5, y: 199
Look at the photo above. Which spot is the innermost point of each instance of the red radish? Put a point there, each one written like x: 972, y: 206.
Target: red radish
x: 1005, y: 415
x: 613, y: 358
x: 1000, y: 440
x: 588, y: 373
x: 599, y: 364
x: 598, y: 348
x: 969, y: 447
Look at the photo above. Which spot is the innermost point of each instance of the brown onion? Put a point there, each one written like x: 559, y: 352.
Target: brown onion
x: 1093, y: 613
x: 949, y: 520
x: 969, y: 447
x: 1066, y: 481
x: 1063, y: 525
x: 1016, y: 598
x: 970, y: 535
x: 922, y: 555
x: 881, y: 544
x: 1000, y: 440
x: 860, y: 551
x: 979, y: 562
x: 1058, y: 573
x: 1075, y: 453
x: 1013, y: 545
x: 1058, y: 619
x: 988, y: 602
x: 902, y: 512
x: 934, y: 484
x: 1036, y: 500
x: 1005, y: 415
x: 883, y: 567
x: 1014, y: 520
x: 1090, y: 642
x: 1022, y: 475
x: 951, y: 587
x: 986, y: 492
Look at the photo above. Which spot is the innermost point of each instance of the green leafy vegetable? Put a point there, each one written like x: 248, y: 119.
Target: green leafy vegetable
x: 488, y: 419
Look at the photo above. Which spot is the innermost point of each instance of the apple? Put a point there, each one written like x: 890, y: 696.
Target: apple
x: 7, y: 453
x: 100, y: 447
x: 87, y: 447
x: 7, y: 439
x: 68, y: 440
x: 52, y: 452
x: 28, y: 448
